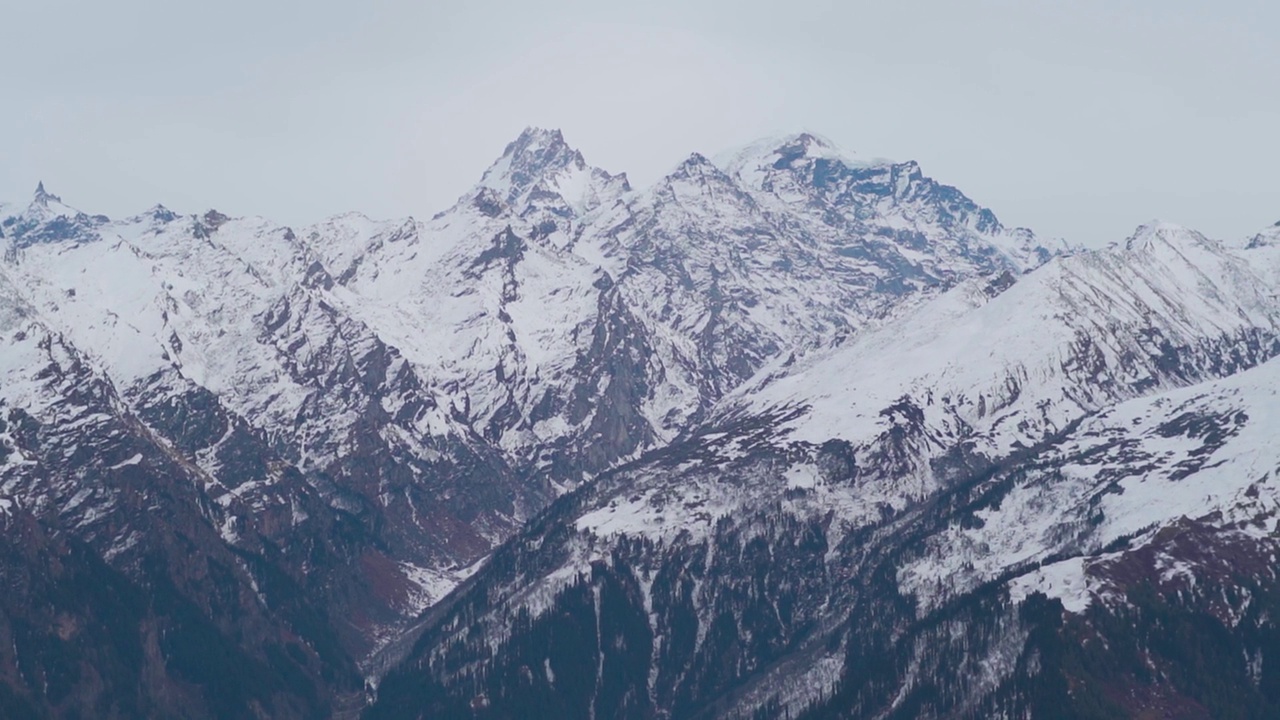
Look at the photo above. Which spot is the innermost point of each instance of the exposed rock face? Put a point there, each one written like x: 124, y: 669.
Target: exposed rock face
x: 995, y: 505
x: 787, y: 432
x: 122, y: 598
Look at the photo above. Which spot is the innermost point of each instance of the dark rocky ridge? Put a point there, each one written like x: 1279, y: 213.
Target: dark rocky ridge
x: 292, y: 571
x: 767, y: 613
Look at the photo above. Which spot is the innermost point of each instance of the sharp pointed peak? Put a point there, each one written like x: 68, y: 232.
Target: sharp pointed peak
x: 158, y: 213
x: 533, y: 150
x: 535, y: 132
x: 540, y: 142
x: 539, y: 161
x: 42, y: 196
x: 696, y: 162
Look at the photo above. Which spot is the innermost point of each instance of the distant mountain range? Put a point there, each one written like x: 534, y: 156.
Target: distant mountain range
x: 787, y: 434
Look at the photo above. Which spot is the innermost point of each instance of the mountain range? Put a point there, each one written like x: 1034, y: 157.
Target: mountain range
x: 788, y: 433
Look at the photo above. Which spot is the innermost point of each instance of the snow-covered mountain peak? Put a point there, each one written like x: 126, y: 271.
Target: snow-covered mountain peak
x: 802, y: 404
x: 46, y: 205
x: 532, y: 157
x: 539, y: 166
x: 902, y: 216
x: 158, y: 214
x: 1270, y: 236
x: 781, y: 152
x: 697, y: 166
x: 537, y: 149
x: 1069, y: 323
x: 48, y: 219
x: 1158, y: 233
x: 535, y: 140
x: 43, y: 197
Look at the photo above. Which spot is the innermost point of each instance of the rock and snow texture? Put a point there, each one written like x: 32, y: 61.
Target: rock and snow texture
x: 440, y: 381
x: 1017, y: 363
x: 792, y: 403
x: 1205, y: 452
x: 555, y: 307
x: 1017, y: 435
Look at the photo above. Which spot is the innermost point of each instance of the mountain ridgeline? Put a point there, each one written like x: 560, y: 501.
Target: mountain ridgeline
x: 785, y: 434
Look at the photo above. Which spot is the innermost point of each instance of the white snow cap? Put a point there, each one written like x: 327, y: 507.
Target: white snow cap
x: 1159, y: 232
x: 46, y: 206
x: 1269, y: 236
x: 536, y: 153
x: 43, y: 197
x: 540, y: 159
x: 770, y: 151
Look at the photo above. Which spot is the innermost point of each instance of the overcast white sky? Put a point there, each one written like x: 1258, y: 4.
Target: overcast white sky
x: 1079, y: 119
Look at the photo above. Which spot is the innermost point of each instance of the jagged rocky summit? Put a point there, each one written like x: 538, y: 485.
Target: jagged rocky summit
x: 787, y: 432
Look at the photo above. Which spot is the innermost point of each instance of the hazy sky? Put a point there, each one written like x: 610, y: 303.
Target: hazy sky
x: 1079, y: 119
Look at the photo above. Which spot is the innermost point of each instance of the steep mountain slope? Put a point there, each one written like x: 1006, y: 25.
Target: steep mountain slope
x: 122, y: 597
x: 220, y: 337
x: 487, y: 302
x: 1267, y: 238
x: 789, y: 246
x: 840, y: 534
x: 1000, y: 368
x: 1138, y: 549
x: 576, y: 322
x: 351, y: 415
